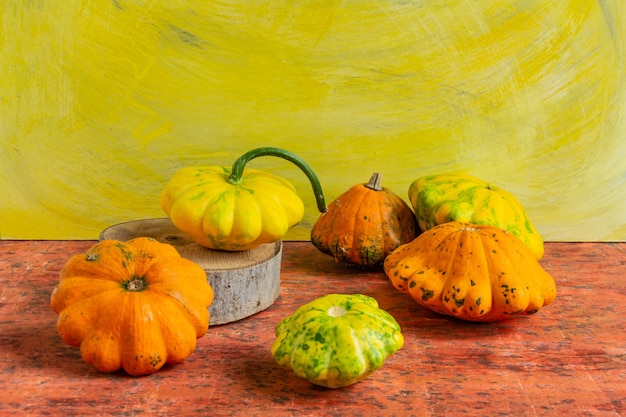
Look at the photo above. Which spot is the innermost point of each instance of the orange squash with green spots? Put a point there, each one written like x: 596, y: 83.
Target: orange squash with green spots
x: 364, y: 224
x: 472, y: 272
x: 133, y: 305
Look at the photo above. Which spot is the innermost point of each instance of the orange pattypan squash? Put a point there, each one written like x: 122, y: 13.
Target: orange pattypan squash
x: 472, y: 272
x: 135, y: 305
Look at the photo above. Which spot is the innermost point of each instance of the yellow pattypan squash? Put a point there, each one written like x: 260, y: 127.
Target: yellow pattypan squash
x: 234, y: 208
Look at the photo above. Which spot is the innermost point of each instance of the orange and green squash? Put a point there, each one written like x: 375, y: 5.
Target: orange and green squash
x: 438, y: 199
x: 337, y: 340
x: 364, y: 224
x: 133, y: 305
x: 233, y: 208
x: 472, y: 272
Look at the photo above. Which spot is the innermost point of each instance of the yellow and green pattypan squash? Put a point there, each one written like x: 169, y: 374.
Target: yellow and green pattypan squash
x: 337, y: 340
x: 439, y: 199
x: 234, y: 209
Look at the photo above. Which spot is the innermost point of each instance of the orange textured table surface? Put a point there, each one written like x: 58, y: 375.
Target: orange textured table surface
x: 568, y: 359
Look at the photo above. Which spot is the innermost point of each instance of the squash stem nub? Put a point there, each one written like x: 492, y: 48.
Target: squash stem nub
x: 240, y: 163
x: 375, y: 182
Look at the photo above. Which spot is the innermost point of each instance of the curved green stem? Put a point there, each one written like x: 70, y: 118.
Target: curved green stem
x: 240, y: 164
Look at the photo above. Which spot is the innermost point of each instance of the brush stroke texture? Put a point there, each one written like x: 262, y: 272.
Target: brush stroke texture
x: 102, y: 101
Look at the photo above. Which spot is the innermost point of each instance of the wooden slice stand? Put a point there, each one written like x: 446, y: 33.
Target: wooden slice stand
x: 244, y: 283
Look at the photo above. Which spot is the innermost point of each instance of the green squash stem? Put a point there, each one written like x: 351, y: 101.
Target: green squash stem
x: 240, y: 163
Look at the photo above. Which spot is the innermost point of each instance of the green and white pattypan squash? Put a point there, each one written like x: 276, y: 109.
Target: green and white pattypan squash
x: 337, y: 340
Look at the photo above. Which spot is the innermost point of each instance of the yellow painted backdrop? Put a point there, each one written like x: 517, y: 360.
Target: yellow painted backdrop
x: 101, y: 101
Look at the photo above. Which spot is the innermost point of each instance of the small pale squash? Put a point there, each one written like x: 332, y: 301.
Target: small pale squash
x: 337, y: 340
x: 135, y: 305
x: 364, y: 224
x: 438, y: 199
x: 233, y: 208
x: 472, y: 272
